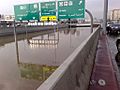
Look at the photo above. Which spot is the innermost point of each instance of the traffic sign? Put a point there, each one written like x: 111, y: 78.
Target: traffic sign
x: 67, y: 9
x: 71, y: 9
x: 48, y: 18
x: 27, y: 12
x: 34, y: 11
x: 21, y: 11
x: 48, y: 10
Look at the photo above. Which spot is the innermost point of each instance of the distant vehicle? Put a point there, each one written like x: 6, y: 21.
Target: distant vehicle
x: 113, y: 28
x: 109, y: 23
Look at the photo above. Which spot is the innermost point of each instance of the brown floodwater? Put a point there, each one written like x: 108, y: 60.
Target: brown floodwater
x: 29, y: 61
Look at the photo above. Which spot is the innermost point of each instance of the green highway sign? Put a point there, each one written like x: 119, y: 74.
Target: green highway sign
x: 21, y: 11
x: 67, y: 9
x: 48, y: 9
x: 34, y: 11
x: 26, y: 12
x: 70, y: 9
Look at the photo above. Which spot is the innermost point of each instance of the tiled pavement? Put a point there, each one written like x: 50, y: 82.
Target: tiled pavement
x: 103, y: 75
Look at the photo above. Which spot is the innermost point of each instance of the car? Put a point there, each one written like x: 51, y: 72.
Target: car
x: 113, y: 28
x: 117, y: 56
x: 118, y: 44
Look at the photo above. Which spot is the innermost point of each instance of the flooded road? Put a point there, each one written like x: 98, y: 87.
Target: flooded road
x: 24, y: 65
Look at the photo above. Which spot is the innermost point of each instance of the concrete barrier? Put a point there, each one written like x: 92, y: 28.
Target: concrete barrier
x: 75, y: 72
x: 5, y: 31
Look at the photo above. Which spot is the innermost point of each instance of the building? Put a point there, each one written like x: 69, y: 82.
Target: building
x: 7, y: 17
x: 114, y: 15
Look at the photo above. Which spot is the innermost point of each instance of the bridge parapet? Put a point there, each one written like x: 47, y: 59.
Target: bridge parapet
x: 75, y: 72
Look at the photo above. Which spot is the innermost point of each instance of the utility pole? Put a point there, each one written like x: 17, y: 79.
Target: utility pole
x: 105, y: 15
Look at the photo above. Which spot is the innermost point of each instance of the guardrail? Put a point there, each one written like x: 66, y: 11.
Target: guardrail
x: 75, y: 72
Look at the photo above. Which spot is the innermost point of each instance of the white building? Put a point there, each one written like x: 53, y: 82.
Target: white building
x: 114, y: 15
x: 7, y: 17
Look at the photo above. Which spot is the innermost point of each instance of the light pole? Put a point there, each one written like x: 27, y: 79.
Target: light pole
x: 91, y: 17
x: 105, y: 15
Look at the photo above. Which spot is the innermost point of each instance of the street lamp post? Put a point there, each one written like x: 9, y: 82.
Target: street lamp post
x: 91, y: 17
x: 105, y: 15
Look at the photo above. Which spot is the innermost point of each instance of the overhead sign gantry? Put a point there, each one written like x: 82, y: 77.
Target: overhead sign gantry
x: 46, y: 11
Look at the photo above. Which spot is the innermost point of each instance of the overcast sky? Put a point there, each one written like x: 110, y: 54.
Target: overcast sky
x: 95, y: 6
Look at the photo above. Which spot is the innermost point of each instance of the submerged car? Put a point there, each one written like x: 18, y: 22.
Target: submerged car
x: 113, y: 28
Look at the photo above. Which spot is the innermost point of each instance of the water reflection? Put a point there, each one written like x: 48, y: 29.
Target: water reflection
x: 71, y: 31
x: 9, y: 39
x: 50, y: 43
x: 35, y: 71
x: 34, y: 65
x: 46, y: 42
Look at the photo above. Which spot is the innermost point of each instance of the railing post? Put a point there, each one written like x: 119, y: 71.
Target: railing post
x: 91, y: 17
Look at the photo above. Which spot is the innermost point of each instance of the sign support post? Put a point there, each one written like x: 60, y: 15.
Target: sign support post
x: 16, y: 43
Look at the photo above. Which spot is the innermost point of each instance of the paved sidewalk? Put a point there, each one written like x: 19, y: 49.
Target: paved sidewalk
x: 103, y: 75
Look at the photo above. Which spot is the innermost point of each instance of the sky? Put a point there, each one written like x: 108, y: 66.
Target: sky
x: 95, y: 6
